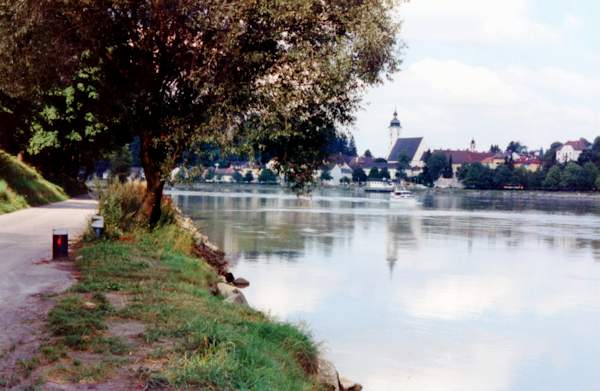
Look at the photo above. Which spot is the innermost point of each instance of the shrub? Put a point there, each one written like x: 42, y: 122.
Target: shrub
x: 120, y: 204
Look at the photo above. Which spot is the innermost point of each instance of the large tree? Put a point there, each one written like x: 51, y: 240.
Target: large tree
x: 273, y: 75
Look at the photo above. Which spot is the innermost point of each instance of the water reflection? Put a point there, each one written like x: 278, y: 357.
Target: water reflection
x: 458, y: 293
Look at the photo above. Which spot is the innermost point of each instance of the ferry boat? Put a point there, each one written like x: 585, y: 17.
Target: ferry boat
x: 379, y: 187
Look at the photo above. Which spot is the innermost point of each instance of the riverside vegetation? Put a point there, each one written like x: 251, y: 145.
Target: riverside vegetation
x: 22, y: 186
x: 142, y: 315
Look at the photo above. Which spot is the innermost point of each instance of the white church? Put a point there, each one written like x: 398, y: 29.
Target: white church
x: 410, y: 149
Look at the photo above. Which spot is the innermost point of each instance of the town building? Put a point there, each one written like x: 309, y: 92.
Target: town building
x: 405, y: 149
x: 571, y: 150
x: 469, y: 156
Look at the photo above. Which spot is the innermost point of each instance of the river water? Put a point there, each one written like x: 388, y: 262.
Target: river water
x: 458, y: 292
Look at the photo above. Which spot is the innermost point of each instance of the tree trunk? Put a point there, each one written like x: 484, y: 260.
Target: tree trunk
x: 151, y: 205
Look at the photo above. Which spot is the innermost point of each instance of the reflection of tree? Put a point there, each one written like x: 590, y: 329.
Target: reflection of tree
x: 268, y: 226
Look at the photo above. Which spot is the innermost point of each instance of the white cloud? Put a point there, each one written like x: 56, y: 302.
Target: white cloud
x: 449, y: 101
x: 474, y: 21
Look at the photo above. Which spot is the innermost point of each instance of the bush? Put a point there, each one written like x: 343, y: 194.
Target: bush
x: 120, y: 204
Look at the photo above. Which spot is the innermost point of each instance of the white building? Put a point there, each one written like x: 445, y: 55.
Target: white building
x: 571, y: 150
x: 407, y: 148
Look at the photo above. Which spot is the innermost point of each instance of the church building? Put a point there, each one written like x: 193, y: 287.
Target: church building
x: 409, y: 149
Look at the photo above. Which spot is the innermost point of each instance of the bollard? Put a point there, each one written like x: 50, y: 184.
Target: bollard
x: 60, y: 243
x: 98, y: 225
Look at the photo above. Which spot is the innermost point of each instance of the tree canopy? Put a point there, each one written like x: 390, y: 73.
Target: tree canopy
x: 263, y: 75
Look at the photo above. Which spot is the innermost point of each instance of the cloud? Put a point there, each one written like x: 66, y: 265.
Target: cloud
x: 449, y: 101
x: 475, y: 21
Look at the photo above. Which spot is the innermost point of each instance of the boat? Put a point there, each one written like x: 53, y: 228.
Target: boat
x: 402, y: 195
x: 379, y: 187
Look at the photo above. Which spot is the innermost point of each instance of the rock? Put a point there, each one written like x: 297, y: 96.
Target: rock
x: 349, y: 385
x: 327, y: 376
x: 226, y: 290
x: 241, y: 282
x: 88, y: 305
x: 238, y: 298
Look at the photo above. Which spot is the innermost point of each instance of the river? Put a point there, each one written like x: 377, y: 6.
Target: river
x: 459, y: 292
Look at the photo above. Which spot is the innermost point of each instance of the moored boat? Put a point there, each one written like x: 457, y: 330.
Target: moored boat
x: 379, y: 187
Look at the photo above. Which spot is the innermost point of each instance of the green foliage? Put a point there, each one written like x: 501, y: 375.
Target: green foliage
x: 120, y: 204
x: 267, y: 176
x: 374, y: 174
x: 71, y: 320
x: 180, y: 74
x: 345, y: 180
x: 120, y: 162
x: 22, y: 186
x: 249, y: 177
x: 553, y: 179
x: 212, y: 345
x: 384, y: 173
x: 359, y: 175
x: 325, y: 175
x: 238, y: 177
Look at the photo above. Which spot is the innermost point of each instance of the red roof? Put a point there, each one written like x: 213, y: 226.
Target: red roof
x: 464, y: 157
x: 579, y: 145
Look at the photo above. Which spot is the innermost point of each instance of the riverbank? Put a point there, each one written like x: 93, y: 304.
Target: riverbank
x: 142, y: 315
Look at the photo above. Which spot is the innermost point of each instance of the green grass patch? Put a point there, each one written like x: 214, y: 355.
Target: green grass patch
x: 199, y: 341
x: 22, y: 186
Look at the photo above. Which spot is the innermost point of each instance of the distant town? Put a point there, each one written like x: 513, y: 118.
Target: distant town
x: 569, y: 165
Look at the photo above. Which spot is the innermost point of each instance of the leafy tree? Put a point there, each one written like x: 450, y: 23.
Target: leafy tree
x: 210, y: 175
x: 120, y: 163
x: 573, y: 177
x: 477, y: 176
x: 553, y: 179
x: 238, y: 177
x: 549, y: 157
x: 515, y: 147
x: 359, y: 175
x: 436, y: 164
x: 368, y: 154
x: 380, y: 160
x: 264, y: 75
x: 249, y: 177
x: 374, y: 174
x: 384, y: 173
x: 502, y: 176
x: 267, y: 176
x: 325, y: 175
x: 495, y: 149
x: 448, y: 170
x: 345, y: 180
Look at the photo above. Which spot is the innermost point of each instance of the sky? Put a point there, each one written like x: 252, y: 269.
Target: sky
x: 493, y: 71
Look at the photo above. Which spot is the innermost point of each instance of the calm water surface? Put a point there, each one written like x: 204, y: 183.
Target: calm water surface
x: 456, y: 293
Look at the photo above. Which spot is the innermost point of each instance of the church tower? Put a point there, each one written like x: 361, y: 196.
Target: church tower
x: 395, y: 128
x: 473, y: 146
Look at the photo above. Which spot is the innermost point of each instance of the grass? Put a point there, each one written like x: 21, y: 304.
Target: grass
x: 192, y: 339
x: 22, y: 186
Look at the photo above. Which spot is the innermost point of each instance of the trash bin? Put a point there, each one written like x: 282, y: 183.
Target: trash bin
x: 60, y: 243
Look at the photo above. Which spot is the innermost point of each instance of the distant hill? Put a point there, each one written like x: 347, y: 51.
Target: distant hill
x: 22, y: 186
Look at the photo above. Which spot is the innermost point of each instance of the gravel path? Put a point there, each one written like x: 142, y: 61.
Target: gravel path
x: 25, y: 271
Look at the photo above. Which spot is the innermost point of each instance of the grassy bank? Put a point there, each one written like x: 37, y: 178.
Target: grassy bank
x: 142, y: 315
x: 22, y: 186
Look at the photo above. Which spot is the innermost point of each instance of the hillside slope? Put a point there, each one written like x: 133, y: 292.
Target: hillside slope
x: 22, y: 186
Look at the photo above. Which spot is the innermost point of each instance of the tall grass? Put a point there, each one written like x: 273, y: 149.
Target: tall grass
x: 22, y: 186
x: 120, y: 205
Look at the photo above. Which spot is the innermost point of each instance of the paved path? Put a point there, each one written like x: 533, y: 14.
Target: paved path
x: 25, y: 240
